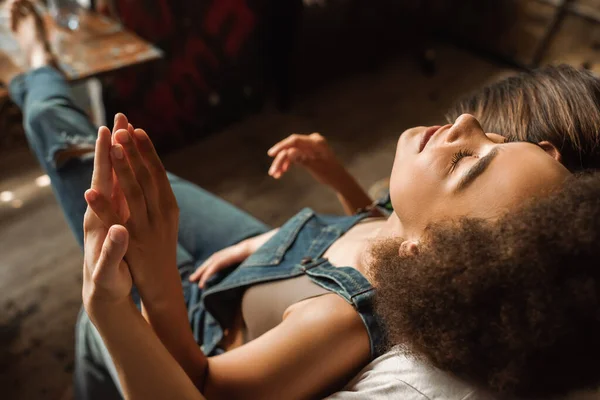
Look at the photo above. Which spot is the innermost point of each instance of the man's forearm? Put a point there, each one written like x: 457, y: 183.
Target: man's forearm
x: 146, y: 369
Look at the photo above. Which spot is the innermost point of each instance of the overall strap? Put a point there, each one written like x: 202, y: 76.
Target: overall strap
x: 355, y: 289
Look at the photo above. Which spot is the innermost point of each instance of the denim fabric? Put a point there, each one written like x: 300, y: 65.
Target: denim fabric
x: 296, y: 249
x: 52, y: 123
x: 207, y: 224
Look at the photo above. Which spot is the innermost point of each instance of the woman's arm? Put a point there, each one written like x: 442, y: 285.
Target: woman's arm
x: 350, y: 194
x: 152, y: 222
x: 319, y: 346
x: 168, y: 319
x: 313, y: 153
x: 146, y: 369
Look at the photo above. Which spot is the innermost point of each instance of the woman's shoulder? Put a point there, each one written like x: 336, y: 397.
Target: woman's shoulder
x: 394, y: 375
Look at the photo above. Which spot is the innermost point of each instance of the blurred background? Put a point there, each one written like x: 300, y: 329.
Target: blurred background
x: 216, y: 83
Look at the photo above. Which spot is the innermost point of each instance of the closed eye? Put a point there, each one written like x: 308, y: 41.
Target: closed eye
x: 458, y: 156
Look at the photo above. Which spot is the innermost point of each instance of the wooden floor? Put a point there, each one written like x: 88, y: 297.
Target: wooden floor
x: 40, y: 263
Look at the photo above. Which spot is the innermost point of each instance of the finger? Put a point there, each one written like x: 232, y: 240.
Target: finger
x: 130, y: 186
x: 296, y: 155
x: 121, y: 122
x: 118, y: 200
x: 156, y: 168
x: 208, y: 272
x: 285, y: 167
x: 295, y: 140
x: 130, y: 129
x: 287, y: 142
x: 195, y: 275
x: 277, y: 162
x: 199, y: 276
x: 210, y: 266
x: 102, y: 175
x: 198, y: 272
x: 101, y: 206
x: 113, y: 250
x: 140, y: 170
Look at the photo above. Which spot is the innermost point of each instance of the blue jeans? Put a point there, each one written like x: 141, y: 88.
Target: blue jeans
x: 207, y: 223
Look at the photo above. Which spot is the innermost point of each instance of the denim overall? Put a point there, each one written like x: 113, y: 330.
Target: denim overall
x: 296, y: 249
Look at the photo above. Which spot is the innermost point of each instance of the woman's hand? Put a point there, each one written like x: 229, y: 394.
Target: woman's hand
x: 310, y: 151
x: 314, y: 154
x: 106, y: 276
x: 228, y: 256
x: 153, y: 211
x: 219, y: 261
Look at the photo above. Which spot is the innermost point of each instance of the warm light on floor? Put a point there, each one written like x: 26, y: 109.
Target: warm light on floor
x: 6, y: 196
x: 42, y: 181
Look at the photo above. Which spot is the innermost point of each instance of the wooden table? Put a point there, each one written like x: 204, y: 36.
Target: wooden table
x: 98, y: 47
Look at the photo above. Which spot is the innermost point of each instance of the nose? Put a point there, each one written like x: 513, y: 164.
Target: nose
x: 465, y: 125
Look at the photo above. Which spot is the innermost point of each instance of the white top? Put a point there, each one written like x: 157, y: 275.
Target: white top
x: 394, y: 376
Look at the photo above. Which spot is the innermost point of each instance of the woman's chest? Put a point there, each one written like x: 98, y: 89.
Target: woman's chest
x: 349, y: 249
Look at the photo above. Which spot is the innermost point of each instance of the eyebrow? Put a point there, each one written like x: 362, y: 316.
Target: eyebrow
x: 476, y: 170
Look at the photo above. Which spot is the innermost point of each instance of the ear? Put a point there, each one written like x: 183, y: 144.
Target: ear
x: 409, y: 248
x: 551, y: 150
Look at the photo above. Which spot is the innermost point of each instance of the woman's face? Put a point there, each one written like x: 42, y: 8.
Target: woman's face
x: 459, y: 170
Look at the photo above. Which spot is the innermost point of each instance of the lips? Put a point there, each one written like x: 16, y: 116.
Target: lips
x: 429, y: 132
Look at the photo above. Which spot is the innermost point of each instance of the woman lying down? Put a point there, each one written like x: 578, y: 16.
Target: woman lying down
x: 485, y: 270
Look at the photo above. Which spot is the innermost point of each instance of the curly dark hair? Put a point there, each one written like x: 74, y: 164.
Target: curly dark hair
x: 511, y: 304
